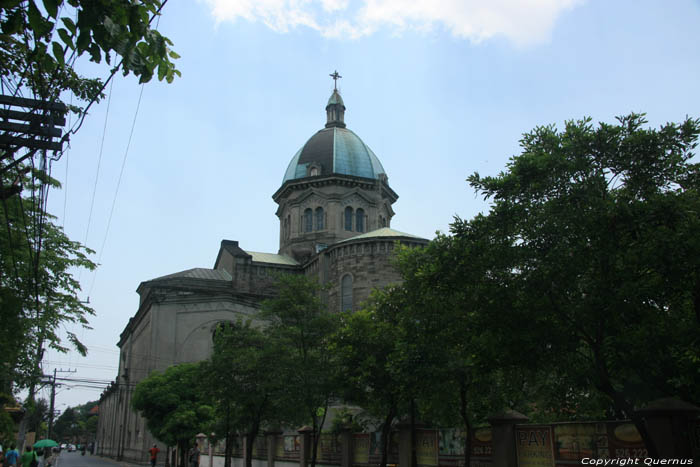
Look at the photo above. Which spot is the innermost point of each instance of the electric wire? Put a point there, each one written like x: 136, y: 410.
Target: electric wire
x: 116, y: 191
x: 99, y: 162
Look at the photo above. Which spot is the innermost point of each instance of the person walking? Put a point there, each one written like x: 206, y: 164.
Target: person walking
x: 29, y: 458
x: 154, y: 454
x: 11, y: 457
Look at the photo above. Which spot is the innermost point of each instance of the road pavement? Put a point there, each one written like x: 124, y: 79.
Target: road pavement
x: 75, y: 459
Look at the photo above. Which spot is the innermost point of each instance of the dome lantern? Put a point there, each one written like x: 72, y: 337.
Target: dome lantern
x: 335, y: 109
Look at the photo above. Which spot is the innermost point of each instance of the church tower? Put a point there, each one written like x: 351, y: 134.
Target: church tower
x: 334, y: 188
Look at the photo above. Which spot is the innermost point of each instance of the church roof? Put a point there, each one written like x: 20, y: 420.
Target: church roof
x: 337, y: 151
x: 335, y: 98
x: 199, y: 273
x: 384, y: 232
x: 334, y: 150
x: 272, y: 258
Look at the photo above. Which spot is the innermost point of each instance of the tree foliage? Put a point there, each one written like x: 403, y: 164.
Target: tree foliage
x: 598, y: 227
x: 76, y: 423
x: 38, y: 293
x: 173, y: 404
x: 302, y: 325
x: 40, y: 43
x: 367, y: 351
x: 242, y: 380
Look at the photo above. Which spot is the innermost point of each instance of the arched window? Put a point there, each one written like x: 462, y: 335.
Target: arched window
x: 346, y: 293
x: 360, y: 220
x: 348, y: 218
x: 308, y: 220
x: 319, y: 218
x: 289, y: 225
x: 383, y: 221
x: 314, y: 172
x: 221, y: 328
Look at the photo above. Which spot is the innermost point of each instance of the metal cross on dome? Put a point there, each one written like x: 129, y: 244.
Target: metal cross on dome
x: 335, y: 77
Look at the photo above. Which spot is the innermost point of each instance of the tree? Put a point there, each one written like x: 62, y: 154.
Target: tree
x: 38, y: 293
x: 448, y: 285
x: 365, y: 350
x: 303, y: 325
x: 76, y: 422
x: 173, y: 405
x: 601, y: 229
x: 242, y: 380
x: 39, y: 46
x: 37, y: 416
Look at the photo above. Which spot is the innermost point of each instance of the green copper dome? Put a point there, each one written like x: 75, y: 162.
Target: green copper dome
x: 334, y: 150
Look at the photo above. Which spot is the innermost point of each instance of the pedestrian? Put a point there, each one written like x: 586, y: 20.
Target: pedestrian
x: 194, y: 456
x: 29, y: 458
x: 2, y: 457
x: 154, y: 453
x: 11, y: 457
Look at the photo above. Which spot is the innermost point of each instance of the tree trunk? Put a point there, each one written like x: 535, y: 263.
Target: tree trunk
x: 467, y: 424
x: 317, y: 434
x: 622, y: 405
x: 182, y: 447
x: 386, y: 431
x: 414, y: 454
x: 249, y: 442
x: 229, y: 448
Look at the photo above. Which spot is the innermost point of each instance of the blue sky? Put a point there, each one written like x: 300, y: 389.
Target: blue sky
x: 438, y: 89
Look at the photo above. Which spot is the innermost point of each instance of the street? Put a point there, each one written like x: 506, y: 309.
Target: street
x: 75, y: 459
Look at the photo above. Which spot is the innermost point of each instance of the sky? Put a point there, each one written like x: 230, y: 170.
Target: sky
x: 438, y: 89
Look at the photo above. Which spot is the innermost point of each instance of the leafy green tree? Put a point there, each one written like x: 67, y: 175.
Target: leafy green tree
x: 66, y: 426
x: 448, y: 284
x: 174, y: 406
x: 242, y: 378
x: 38, y: 415
x: 303, y: 325
x: 40, y: 44
x: 38, y: 293
x: 76, y: 422
x: 365, y: 348
x: 600, y: 225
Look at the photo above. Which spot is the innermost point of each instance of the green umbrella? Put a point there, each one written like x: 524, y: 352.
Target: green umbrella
x: 45, y: 443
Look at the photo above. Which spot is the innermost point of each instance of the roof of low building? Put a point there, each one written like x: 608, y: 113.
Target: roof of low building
x: 384, y: 232
x: 199, y: 273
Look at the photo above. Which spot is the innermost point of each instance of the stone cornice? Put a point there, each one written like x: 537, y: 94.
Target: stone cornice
x: 334, y: 179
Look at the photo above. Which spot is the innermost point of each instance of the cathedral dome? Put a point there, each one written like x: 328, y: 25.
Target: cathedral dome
x: 334, y: 150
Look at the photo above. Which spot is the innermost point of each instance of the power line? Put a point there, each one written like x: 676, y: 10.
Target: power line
x: 99, y: 162
x: 116, y: 191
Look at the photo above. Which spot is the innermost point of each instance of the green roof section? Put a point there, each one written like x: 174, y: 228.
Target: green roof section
x: 386, y: 233
x: 198, y: 273
x: 272, y: 258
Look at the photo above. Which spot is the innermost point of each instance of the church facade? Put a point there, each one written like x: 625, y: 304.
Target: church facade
x: 335, y: 212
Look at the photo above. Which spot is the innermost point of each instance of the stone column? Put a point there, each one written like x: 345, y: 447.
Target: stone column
x: 667, y: 422
x: 503, y: 437
x: 305, y: 445
x: 271, y: 443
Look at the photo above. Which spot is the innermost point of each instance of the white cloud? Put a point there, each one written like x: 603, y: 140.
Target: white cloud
x: 524, y: 22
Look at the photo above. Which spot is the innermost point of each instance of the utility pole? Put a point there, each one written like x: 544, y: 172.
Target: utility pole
x: 53, y: 404
x: 53, y: 398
